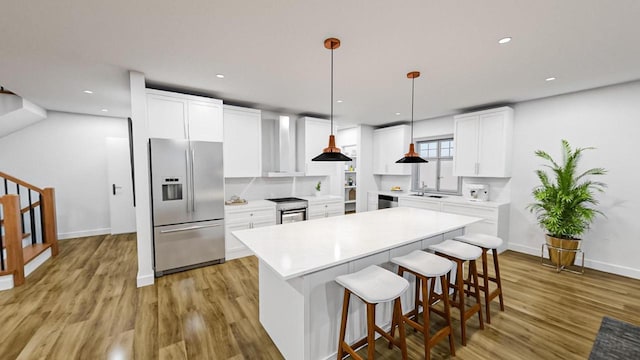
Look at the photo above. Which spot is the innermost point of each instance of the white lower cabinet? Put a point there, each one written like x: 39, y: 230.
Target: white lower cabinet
x: 241, y: 217
x: 495, y: 218
x: 372, y: 201
x: 321, y: 208
x: 419, y: 203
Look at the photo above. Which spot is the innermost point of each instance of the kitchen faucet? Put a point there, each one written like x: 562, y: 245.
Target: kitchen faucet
x: 422, y: 189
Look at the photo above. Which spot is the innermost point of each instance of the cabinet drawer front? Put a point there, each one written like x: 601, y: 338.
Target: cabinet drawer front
x: 483, y: 227
x: 264, y: 222
x: 421, y: 204
x: 246, y: 216
x: 470, y: 210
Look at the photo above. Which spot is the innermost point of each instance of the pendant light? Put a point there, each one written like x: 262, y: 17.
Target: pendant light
x: 331, y: 153
x: 412, y: 157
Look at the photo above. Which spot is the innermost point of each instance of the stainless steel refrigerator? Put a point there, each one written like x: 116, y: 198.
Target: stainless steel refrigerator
x: 187, y: 186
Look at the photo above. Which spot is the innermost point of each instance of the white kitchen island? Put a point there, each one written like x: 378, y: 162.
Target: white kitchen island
x: 300, y: 303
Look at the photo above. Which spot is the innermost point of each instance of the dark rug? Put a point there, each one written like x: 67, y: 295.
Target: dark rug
x: 616, y: 340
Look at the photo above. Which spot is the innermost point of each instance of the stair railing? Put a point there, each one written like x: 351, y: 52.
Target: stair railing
x: 11, y: 239
x: 39, y: 211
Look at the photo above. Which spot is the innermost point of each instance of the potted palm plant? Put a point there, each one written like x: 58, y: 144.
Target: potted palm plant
x: 564, y: 202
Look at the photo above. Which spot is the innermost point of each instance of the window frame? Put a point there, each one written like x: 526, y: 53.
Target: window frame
x: 415, y: 168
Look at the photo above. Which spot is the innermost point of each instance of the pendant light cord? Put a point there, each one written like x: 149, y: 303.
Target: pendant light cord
x: 332, y: 91
x: 412, y: 91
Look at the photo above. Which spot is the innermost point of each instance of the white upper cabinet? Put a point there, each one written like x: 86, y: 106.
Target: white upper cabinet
x: 389, y: 145
x: 180, y: 116
x: 312, y: 137
x: 483, y: 143
x: 205, y: 120
x: 242, y: 142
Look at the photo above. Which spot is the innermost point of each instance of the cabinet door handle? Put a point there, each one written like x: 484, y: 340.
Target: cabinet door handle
x: 477, y: 168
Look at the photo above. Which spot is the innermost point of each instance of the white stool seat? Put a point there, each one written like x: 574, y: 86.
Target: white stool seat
x: 457, y: 249
x: 374, y: 284
x: 424, y: 263
x: 482, y: 240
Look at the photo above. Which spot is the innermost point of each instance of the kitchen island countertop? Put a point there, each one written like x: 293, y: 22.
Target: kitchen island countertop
x: 300, y: 248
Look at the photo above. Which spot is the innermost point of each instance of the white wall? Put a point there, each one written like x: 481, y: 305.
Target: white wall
x: 608, y: 119
x: 68, y: 152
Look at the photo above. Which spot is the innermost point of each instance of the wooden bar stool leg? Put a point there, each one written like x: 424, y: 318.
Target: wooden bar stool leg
x: 343, y: 323
x: 460, y: 302
x: 416, y: 300
x: 426, y: 298
x: 403, y: 340
x: 487, y: 294
x: 473, y: 267
x: 498, y: 281
x: 447, y: 312
x: 371, y: 331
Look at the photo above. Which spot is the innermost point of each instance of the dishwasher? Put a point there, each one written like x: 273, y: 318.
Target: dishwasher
x: 386, y: 201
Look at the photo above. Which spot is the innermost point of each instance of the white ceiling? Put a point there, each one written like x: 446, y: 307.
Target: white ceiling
x: 272, y: 54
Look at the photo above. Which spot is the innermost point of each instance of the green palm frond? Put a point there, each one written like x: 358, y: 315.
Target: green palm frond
x: 564, y: 205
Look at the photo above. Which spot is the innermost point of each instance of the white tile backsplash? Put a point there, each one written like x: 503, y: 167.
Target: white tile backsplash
x: 265, y: 187
x: 499, y: 188
x: 386, y: 182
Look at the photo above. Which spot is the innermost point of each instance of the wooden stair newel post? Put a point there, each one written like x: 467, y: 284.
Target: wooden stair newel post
x: 13, y: 237
x: 50, y: 221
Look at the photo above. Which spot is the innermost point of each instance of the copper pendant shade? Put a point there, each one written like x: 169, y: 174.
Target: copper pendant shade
x: 412, y: 157
x: 331, y: 153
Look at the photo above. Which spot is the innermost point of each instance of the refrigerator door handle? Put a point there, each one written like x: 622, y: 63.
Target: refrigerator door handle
x: 188, y: 181
x: 193, y: 183
x: 189, y: 228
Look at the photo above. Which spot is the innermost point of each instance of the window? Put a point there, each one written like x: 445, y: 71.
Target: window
x: 437, y: 174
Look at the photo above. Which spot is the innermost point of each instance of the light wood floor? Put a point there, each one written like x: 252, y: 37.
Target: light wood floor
x: 85, y: 305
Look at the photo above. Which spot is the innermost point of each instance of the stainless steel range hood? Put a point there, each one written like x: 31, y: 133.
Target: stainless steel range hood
x: 278, y: 146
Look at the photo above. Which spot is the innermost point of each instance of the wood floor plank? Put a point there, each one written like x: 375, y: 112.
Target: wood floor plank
x: 84, y: 304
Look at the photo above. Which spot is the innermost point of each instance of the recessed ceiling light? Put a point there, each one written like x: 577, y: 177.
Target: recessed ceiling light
x: 338, y: 101
x: 397, y: 114
x: 504, y: 40
x: 88, y: 92
x: 220, y: 76
x: 550, y: 79
x: 104, y: 110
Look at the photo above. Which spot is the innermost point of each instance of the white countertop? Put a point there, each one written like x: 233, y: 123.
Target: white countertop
x: 252, y: 204
x: 455, y: 199
x: 315, y: 198
x: 300, y: 248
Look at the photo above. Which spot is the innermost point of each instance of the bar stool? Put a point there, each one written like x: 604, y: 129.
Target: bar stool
x: 487, y: 242
x: 372, y: 285
x: 428, y: 268
x: 459, y: 253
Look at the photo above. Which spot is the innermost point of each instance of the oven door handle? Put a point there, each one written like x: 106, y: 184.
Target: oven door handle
x: 293, y: 211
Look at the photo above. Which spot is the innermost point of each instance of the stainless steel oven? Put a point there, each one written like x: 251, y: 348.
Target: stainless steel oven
x: 290, y: 210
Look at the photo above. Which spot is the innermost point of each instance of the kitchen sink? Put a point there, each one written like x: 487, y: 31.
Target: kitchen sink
x: 429, y: 196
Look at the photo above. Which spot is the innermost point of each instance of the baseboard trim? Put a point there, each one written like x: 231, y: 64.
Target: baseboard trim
x: 6, y: 282
x: 237, y: 253
x: 588, y: 263
x: 84, y: 233
x: 36, y: 262
x: 145, y: 280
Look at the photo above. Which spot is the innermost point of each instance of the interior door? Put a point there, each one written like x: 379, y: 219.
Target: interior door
x: 121, y: 211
